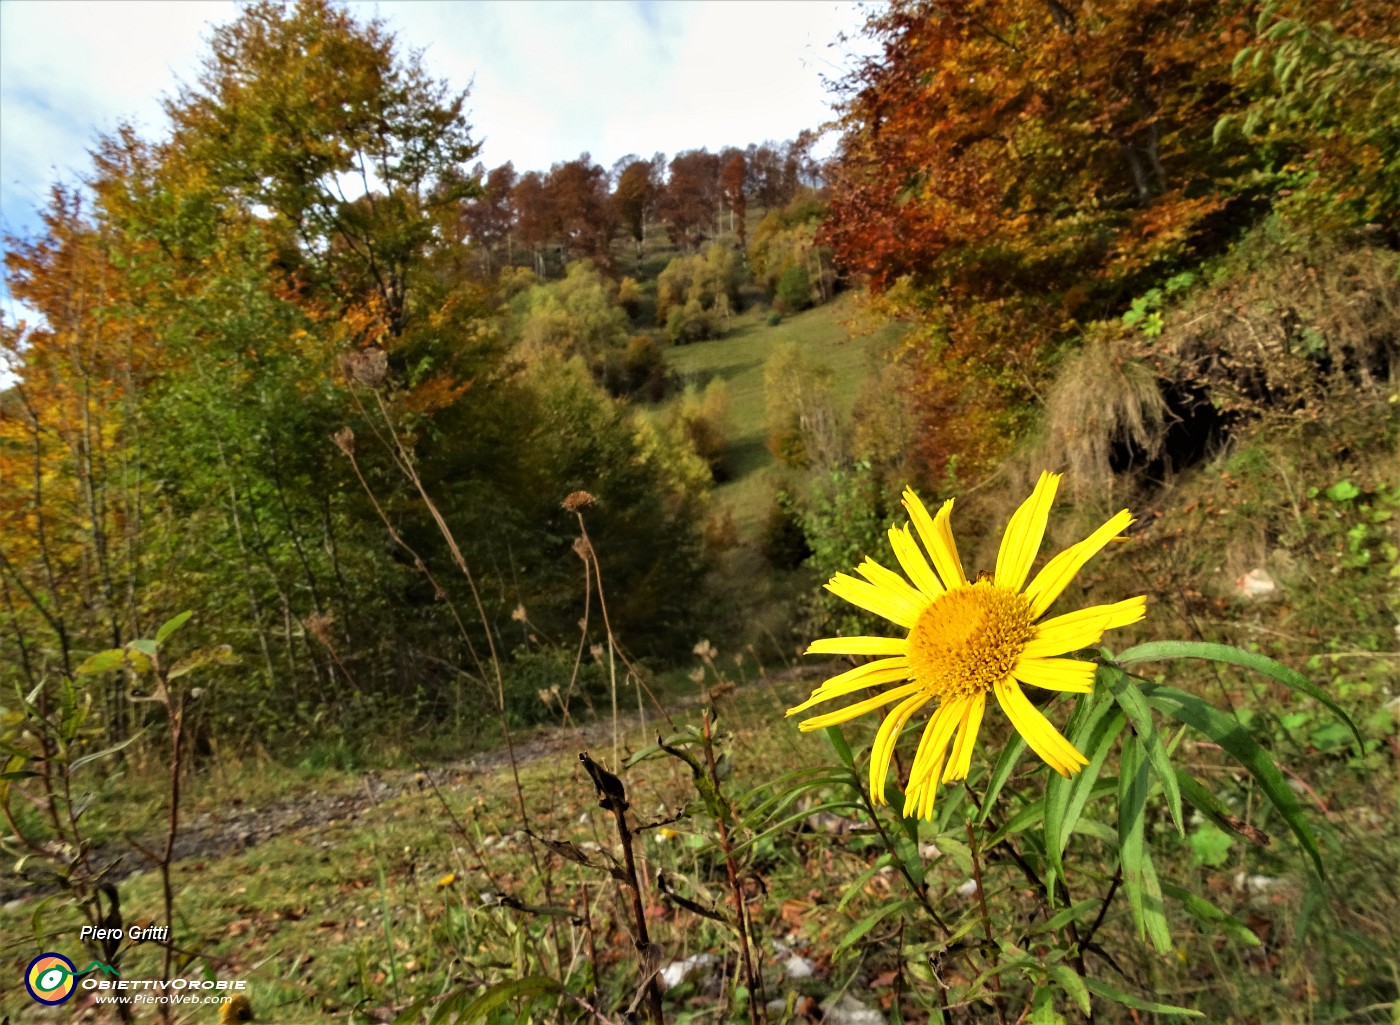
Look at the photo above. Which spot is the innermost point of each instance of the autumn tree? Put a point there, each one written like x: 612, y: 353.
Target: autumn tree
x: 487, y: 220
x: 75, y: 574
x: 1022, y: 167
x: 536, y: 221
x: 293, y: 104
x: 766, y: 182
x: 785, y: 247
x: 733, y: 177
x: 578, y: 196
x: 690, y: 201
x: 634, y: 197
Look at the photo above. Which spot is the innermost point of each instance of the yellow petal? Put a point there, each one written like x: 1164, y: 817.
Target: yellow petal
x: 928, y: 761
x: 1041, y: 736
x: 858, y: 709
x: 912, y: 561
x: 875, y: 599
x: 890, y: 581
x: 883, y: 748
x: 1083, y: 628
x: 937, y: 534
x: 1066, y: 674
x: 1024, y: 533
x: 872, y: 674
x: 859, y: 646
x: 1056, y: 574
x: 960, y: 761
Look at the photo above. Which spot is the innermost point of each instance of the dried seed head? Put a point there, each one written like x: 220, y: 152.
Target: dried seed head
x: 365, y: 367
x: 578, y: 500
x: 345, y: 440
x: 318, y: 625
x: 518, y: 614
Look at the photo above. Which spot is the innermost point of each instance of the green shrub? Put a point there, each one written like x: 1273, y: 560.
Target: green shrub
x: 537, y: 684
x: 794, y: 289
x: 696, y: 295
x: 781, y: 539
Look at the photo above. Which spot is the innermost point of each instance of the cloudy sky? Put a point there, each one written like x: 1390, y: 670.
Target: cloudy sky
x: 548, y: 80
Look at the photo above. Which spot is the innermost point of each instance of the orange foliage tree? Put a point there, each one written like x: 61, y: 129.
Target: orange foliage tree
x: 1011, y: 169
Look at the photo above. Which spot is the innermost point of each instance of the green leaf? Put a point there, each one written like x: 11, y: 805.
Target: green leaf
x: 171, y: 625
x: 1043, y: 1008
x: 144, y: 645
x: 1210, y: 845
x: 1001, y: 772
x: 1109, y: 992
x: 1154, y: 908
x: 103, y: 662
x: 1139, y: 876
x: 843, y: 750
x: 1062, y: 918
x: 1230, y: 735
x: 1092, y: 729
x: 956, y: 851
x: 858, y: 883
x: 495, y: 997
x: 867, y: 923
x: 1135, y: 706
x: 1211, y: 807
x: 1206, y: 912
x: 1033, y: 814
x: 87, y: 759
x: 1071, y: 982
x: 1342, y: 491
x: 1155, y: 651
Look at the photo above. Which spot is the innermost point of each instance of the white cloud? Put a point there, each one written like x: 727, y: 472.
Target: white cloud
x: 71, y: 71
x: 548, y: 80
x: 556, y: 79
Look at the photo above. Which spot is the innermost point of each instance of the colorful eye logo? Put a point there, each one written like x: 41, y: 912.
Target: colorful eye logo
x: 50, y: 979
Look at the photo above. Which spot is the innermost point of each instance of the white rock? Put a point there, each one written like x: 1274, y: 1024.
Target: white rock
x: 1255, y: 584
x: 678, y: 971
x: 847, y: 1010
x: 798, y: 967
x: 1246, y: 883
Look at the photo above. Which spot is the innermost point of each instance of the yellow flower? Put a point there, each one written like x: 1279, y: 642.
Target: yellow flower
x: 967, y: 638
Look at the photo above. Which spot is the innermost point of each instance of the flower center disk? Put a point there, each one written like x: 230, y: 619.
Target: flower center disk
x: 969, y: 639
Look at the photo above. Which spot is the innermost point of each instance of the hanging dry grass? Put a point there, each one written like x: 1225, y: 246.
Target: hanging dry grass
x: 1104, y: 400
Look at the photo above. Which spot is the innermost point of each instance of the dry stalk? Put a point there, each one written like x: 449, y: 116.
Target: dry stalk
x: 752, y: 978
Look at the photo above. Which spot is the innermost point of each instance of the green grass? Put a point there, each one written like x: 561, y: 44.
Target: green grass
x: 826, y: 335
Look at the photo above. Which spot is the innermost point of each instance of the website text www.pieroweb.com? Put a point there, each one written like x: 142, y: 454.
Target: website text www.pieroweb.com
x: 53, y: 979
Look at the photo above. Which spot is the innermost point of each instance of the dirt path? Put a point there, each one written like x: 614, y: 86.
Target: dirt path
x: 236, y: 826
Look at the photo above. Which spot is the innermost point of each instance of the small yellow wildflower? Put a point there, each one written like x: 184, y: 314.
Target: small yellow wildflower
x: 968, y: 638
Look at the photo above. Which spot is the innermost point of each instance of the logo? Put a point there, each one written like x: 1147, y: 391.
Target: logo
x: 51, y: 978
